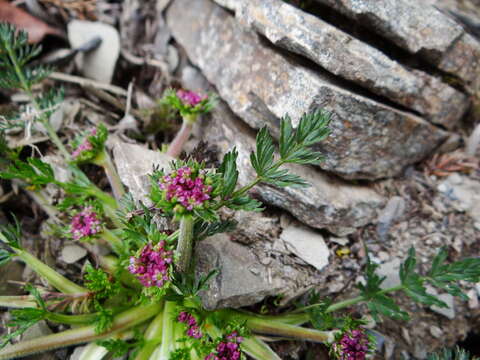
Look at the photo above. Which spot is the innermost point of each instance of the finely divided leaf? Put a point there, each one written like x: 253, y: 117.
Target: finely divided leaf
x: 230, y: 173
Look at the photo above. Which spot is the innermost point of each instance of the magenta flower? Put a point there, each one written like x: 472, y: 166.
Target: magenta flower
x: 354, y: 345
x: 229, y: 349
x: 151, y: 265
x: 86, y: 145
x: 190, y: 98
x: 85, y: 223
x: 180, y: 187
x: 193, y: 328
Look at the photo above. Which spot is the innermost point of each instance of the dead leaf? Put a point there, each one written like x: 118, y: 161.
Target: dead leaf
x: 35, y: 28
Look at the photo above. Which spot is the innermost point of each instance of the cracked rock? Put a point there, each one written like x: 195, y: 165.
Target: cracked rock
x: 329, y: 202
x: 345, y: 56
x: 369, y: 140
x: 420, y: 29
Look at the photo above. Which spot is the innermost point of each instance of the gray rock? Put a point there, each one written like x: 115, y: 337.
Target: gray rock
x: 420, y: 29
x: 343, y: 55
x: 328, y: 203
x: 392, y: 211
x: 134, y: 163
x: 72, y: 253
x: 253, y: 227
x: 447, y: 312
x: 436, y: 332
x: 463, y: 193
x: 308, y: 245
x: 39, y: 329
x: 242, y: 281
x: 391, y: 272
x: 261, y: 85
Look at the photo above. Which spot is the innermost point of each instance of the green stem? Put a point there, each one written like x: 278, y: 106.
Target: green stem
x: 55, y: 279
x: 93, y: 352
x: 18, y: 302
x: 185, y: 244
x: 103, y: 159
x: 167, y: 345
x: 121, y: 322
x: 258, y: 349
x: 53, y: 135
x: 72, y: 319
x: 266, y: 327
x: 114, y: 241
x: 153, y: 337
x: 356, y: 300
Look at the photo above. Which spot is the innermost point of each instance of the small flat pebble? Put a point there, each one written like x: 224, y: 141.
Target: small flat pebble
x: 72, y: 253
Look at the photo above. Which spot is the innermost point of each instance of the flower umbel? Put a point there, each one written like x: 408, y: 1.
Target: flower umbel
x: 185, y: 188
x: 193, y: 328
x: 86, y: 145
x: 190, y: 98
x: 229, y: 349
x: 353, y: 345
x: 151, y: 265
x: 85, y: 223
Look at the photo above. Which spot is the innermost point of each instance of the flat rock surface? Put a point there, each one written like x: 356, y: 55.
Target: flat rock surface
x: 329, y: 202
x: 345, y: 56
x: 420, y: 29
x: 368, y: 141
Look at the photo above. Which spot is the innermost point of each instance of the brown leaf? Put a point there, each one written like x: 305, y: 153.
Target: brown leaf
x: 35, y: 28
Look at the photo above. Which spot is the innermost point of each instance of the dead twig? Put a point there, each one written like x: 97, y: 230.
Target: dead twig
x: 87, y: 82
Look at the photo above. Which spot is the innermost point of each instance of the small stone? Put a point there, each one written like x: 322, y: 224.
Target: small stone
x: 419, y: 350
x: 390, y: 271
x: 472, y: 299
x: 39, y: 329
x: 394, y: 209
x: 406, y: 336
x: 307, y: 244
x: 447, y: 312
x: 343, y: 241
x: 389, y: 348
x: 72, y: 253
x: 436, y: 331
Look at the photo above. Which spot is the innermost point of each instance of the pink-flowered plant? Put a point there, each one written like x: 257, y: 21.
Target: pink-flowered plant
x: 152, y: 264
x: 86, y: 223
x: 86, y: 145
x: 190, y: 98
x: 193, y: 328
x: 183, y: 188
x: 353, y: 345
x: 228, y: 349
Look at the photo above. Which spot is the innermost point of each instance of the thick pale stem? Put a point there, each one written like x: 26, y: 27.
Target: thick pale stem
x: 258, y: 349
x: 167, y: 345
x: 18, y: 302
x: 114, y: 241
x: 176, y: 146
x: 72, y: 319
x: 185, y: 244
x: 97, y: 352
x: 103, y: 159
x: 55, y: 279
x: 153, y: 337
x: 121, y: 322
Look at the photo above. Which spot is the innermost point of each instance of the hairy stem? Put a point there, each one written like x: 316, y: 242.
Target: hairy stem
x: 103, y: 159
x: 176, y: 146
x: 153, y: 337
x: 121, y: 322
x: 185, y: 244
x: 114, y: 241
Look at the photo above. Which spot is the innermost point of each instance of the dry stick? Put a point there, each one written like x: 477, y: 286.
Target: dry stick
x: 87, y: 82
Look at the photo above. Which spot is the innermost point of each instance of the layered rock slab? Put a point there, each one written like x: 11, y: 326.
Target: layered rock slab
x: 420, y: 29
x: 369, y: 140
x: 328, y: 203
x: 343, y: 55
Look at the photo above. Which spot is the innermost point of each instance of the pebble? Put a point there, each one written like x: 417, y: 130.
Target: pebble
x: 436, y: 331
x: 72, y: 253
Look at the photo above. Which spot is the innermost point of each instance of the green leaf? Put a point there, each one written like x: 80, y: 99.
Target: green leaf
x: 22, y: 319
x: 245, y: 203
x: 383, y: 304
x: 262, y: 159
x: 448, y: 354
x: 34, y: 172
x: 204, y: 229
x: 11, y: 234
x: 98, y: 281
x: 228, y: 169
x: 5, y: 256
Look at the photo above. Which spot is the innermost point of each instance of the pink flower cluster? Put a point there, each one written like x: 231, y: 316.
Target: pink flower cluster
x: 229, y: 349
x: 85, y: 223
x: 85, y: 145
x: 193, y: 328
x: 151, y: 265
x: 190, y: 98
x: 352, y: 346
x: 181, y: 188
